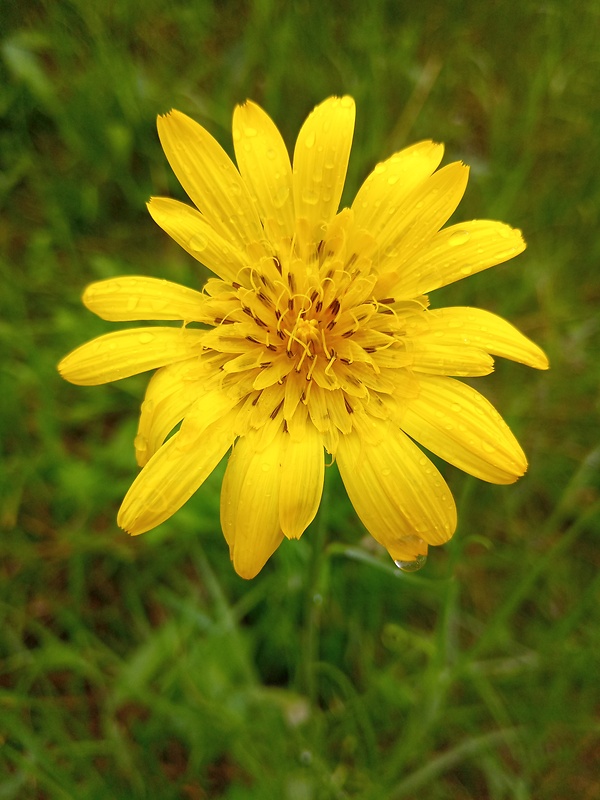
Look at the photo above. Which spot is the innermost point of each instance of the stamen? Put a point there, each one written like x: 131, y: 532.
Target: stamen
x: 276, y: 410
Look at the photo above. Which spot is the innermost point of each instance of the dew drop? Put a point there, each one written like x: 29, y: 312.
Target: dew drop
x: 145, y: 338
x: 281, y: 196
x: 311, y: 197
x: 347, y: 102
x: 310, y: 141
x: 140, y: 443
x: 393, y: 179
x: 198, y: 243
x: 249, y: 131
x: 458, y: 238
x: 412, y: 566
x: 386, y: 472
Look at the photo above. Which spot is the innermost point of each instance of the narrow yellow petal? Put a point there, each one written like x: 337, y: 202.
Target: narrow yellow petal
x: 264, y: 164
x: 123, y: 353
x: 392, y: 181
x: 172, y: 476
x: 171, y: 392
x: 302, y: 474
x: 434, y: 358
x: 136, y: 298
x: 250, y: 503
x: 395, y: 489
x: 320, y: 163
x: 454, y: 253
x: 478, y: 328
x: 407, y: 226
x: 192, y: 232
x: 458, y: 424
x: 209, y: 177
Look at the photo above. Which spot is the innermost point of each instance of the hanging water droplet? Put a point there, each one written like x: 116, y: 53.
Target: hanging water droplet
x: 140, y: 443
x: 458, y: 238
x: 412, y: 566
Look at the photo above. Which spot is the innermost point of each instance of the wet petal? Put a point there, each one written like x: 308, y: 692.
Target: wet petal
x: 264, y: 163
x: 171, y: 392
x: 406, y: 227
x: 396, y: 490
x: 209, y: 177
x: 320, y: 163
x: 392, y: 181
x: 454, y: 253
x: 481, y: 329
x: 250, y: 503
x: 302, y: 473
x: 123, y: 353
x: 458, y: 424
x: 192, y: 232
x: 172, y: 476
x: 136, y: 298
x: 434, y: 358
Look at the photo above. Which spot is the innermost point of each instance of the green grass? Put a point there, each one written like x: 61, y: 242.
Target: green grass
x: 145, y: 668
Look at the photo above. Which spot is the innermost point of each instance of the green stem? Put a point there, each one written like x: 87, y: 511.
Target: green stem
x: 314, y: 597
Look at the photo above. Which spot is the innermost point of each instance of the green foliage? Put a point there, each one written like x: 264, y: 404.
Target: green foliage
x: 145, y: 668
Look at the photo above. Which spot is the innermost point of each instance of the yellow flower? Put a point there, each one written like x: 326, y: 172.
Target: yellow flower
x: 316, y: 335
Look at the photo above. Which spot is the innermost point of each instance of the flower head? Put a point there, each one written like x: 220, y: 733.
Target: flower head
x: 316, y: 336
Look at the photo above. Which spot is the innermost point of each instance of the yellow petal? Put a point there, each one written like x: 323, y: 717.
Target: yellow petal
x: 392, y: 181
x: 210, y: 178
x: 405, y: 227
x: 454, y: 253
x: 171, y: 392
x: 395, y: 489
x: 135, y: 298
x: 320, y: 163
x: 172, y: 476
x: 302, y: 473
x: 458, y: 424
x: 479, y: 328
x: 192, y: 232
x: 250, y: 503
x: 433, y: 358
x: 264, y: 164
x: 124, y: 353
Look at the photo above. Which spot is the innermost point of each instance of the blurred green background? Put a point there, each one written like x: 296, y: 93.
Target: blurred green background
x: 145, y: 668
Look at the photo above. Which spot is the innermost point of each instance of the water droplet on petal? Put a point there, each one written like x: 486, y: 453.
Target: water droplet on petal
x: 198, y: 243
x: 145, y: 338
x: 311, y: 197
x: 458, y: 238
x: 249, y: 131
x: 140, y: 443
x: 310, y: 141
x: 412, y: 566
